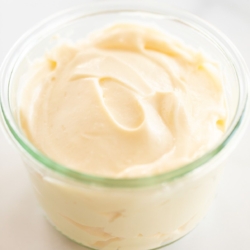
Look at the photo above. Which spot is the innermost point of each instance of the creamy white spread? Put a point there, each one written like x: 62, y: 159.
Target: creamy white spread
x: 128, y: 101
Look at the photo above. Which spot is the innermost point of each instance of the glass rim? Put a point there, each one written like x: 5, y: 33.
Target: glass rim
x: 172, y: 13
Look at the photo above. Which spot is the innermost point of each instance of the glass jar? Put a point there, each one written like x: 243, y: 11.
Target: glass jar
x: 125, y: 214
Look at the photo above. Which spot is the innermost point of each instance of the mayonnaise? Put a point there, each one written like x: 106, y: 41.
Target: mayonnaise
x: 128, y: 101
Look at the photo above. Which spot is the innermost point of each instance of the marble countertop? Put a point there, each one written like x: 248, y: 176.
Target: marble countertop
x: 227, y: 225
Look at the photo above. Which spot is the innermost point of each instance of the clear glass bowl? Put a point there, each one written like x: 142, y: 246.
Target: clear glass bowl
x: 125, y: 214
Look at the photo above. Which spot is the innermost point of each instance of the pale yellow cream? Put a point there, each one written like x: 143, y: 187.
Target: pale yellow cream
x: 128, y: 101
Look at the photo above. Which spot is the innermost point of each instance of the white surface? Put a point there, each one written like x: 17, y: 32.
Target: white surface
x: 227, y: 225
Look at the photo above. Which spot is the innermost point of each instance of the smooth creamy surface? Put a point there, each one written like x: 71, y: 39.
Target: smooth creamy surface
x: 128, y: 101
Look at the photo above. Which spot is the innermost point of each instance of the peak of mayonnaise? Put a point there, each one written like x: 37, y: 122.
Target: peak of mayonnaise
x: 128, y: 101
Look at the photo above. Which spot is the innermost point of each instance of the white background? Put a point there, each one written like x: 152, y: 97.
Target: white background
x: 227, y: 225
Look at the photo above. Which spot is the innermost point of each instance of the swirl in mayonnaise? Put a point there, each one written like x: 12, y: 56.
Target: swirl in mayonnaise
x: 129, y: 101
